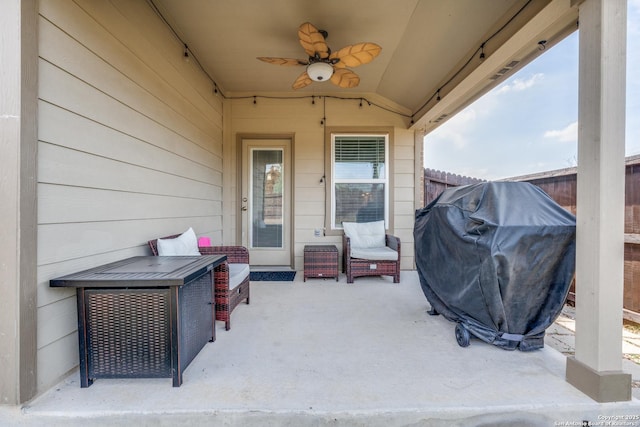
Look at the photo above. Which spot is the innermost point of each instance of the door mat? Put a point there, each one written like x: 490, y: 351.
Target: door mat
x: 272, y: 276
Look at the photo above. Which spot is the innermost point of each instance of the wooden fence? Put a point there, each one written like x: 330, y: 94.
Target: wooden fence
x: 560, y: 185
x: 435, y: 182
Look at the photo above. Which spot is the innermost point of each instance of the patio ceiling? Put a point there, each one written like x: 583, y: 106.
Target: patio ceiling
x: 425, y: 43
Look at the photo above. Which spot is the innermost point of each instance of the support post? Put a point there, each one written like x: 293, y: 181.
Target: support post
x: 596, y: 368
x: 18, y: 242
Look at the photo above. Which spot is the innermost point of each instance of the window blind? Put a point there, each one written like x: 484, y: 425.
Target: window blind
x: 359, y: 157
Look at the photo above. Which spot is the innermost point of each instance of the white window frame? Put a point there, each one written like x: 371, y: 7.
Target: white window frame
x: 386, y: 180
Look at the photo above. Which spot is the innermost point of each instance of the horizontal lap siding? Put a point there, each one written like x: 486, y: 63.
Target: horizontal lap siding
x: 404, y: 189
x: 130, y: 148
x: 302, y: 118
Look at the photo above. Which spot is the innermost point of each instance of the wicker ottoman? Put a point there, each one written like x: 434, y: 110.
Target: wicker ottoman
x: 320, y: 261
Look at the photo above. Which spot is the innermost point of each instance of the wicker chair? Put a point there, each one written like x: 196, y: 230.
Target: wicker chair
x: 231, y: 284
x: 357, y: 267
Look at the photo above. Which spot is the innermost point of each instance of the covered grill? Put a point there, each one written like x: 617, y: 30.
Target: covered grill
x: 497, y: 258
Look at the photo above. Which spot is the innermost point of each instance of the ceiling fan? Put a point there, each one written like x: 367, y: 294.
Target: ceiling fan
x: 325, y: 65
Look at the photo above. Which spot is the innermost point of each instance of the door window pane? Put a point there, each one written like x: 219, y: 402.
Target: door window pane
x: 267, y: 193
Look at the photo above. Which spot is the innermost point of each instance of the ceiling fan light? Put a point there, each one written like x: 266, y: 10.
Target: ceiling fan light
x: 320, y: 71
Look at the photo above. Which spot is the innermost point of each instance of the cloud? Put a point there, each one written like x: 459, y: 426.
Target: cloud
x: 568, y: 134
x: 518, y: 85
x: 456, y: 129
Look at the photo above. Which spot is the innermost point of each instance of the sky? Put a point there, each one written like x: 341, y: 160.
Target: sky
x: 529, y: 123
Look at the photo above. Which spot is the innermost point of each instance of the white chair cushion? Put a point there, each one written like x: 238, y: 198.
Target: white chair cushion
x: 365, y: 234
x: 237, y: 273
x: 185, y: 244
x: 375, y: 254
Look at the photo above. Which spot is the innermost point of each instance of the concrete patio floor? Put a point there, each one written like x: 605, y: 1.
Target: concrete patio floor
x: 322, y: 353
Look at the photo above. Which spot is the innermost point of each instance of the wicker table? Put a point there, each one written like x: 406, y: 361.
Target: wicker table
x: 143, y: 317
x: 320, y: 261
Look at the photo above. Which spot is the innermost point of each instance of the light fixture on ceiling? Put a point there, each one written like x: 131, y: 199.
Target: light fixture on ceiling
x: 320, y: 71
x: 185, y: 54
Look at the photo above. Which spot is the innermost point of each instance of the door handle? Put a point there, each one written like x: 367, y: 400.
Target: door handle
x: 244, y: 208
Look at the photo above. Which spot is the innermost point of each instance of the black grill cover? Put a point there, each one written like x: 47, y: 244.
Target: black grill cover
x: 499, y: 258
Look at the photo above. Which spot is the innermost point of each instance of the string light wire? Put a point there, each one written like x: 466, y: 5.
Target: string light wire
x: 480, y: 49
x: 189, y: 54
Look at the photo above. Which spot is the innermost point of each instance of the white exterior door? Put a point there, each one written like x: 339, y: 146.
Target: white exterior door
x: 266, y: 201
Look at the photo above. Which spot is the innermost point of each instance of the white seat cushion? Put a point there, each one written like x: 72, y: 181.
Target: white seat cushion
x: 365, y: 234
x: 237, y: 273
x: 375, y: 254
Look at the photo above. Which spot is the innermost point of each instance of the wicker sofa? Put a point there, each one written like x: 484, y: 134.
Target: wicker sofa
x: 231, y: 279
x: 377, y: 255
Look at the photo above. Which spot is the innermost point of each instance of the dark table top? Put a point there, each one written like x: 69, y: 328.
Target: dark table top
x: 142, y: 271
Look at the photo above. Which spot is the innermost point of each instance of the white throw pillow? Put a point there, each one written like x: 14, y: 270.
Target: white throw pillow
x: 365, y: 234
x: 185, y: 244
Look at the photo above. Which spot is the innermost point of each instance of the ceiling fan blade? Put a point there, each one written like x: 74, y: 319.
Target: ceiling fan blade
x: 302, y: 81
x: 345, y: 78
x: 283, y: 61
x: 312, y: 41
x: 355, y: 55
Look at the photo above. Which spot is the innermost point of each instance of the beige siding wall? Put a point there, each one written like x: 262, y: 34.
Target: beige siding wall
x: 302, y: 119
x: 130, y: 148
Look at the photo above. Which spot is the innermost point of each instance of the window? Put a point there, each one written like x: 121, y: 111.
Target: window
x: 360, y: 179
x: 266, y: 197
